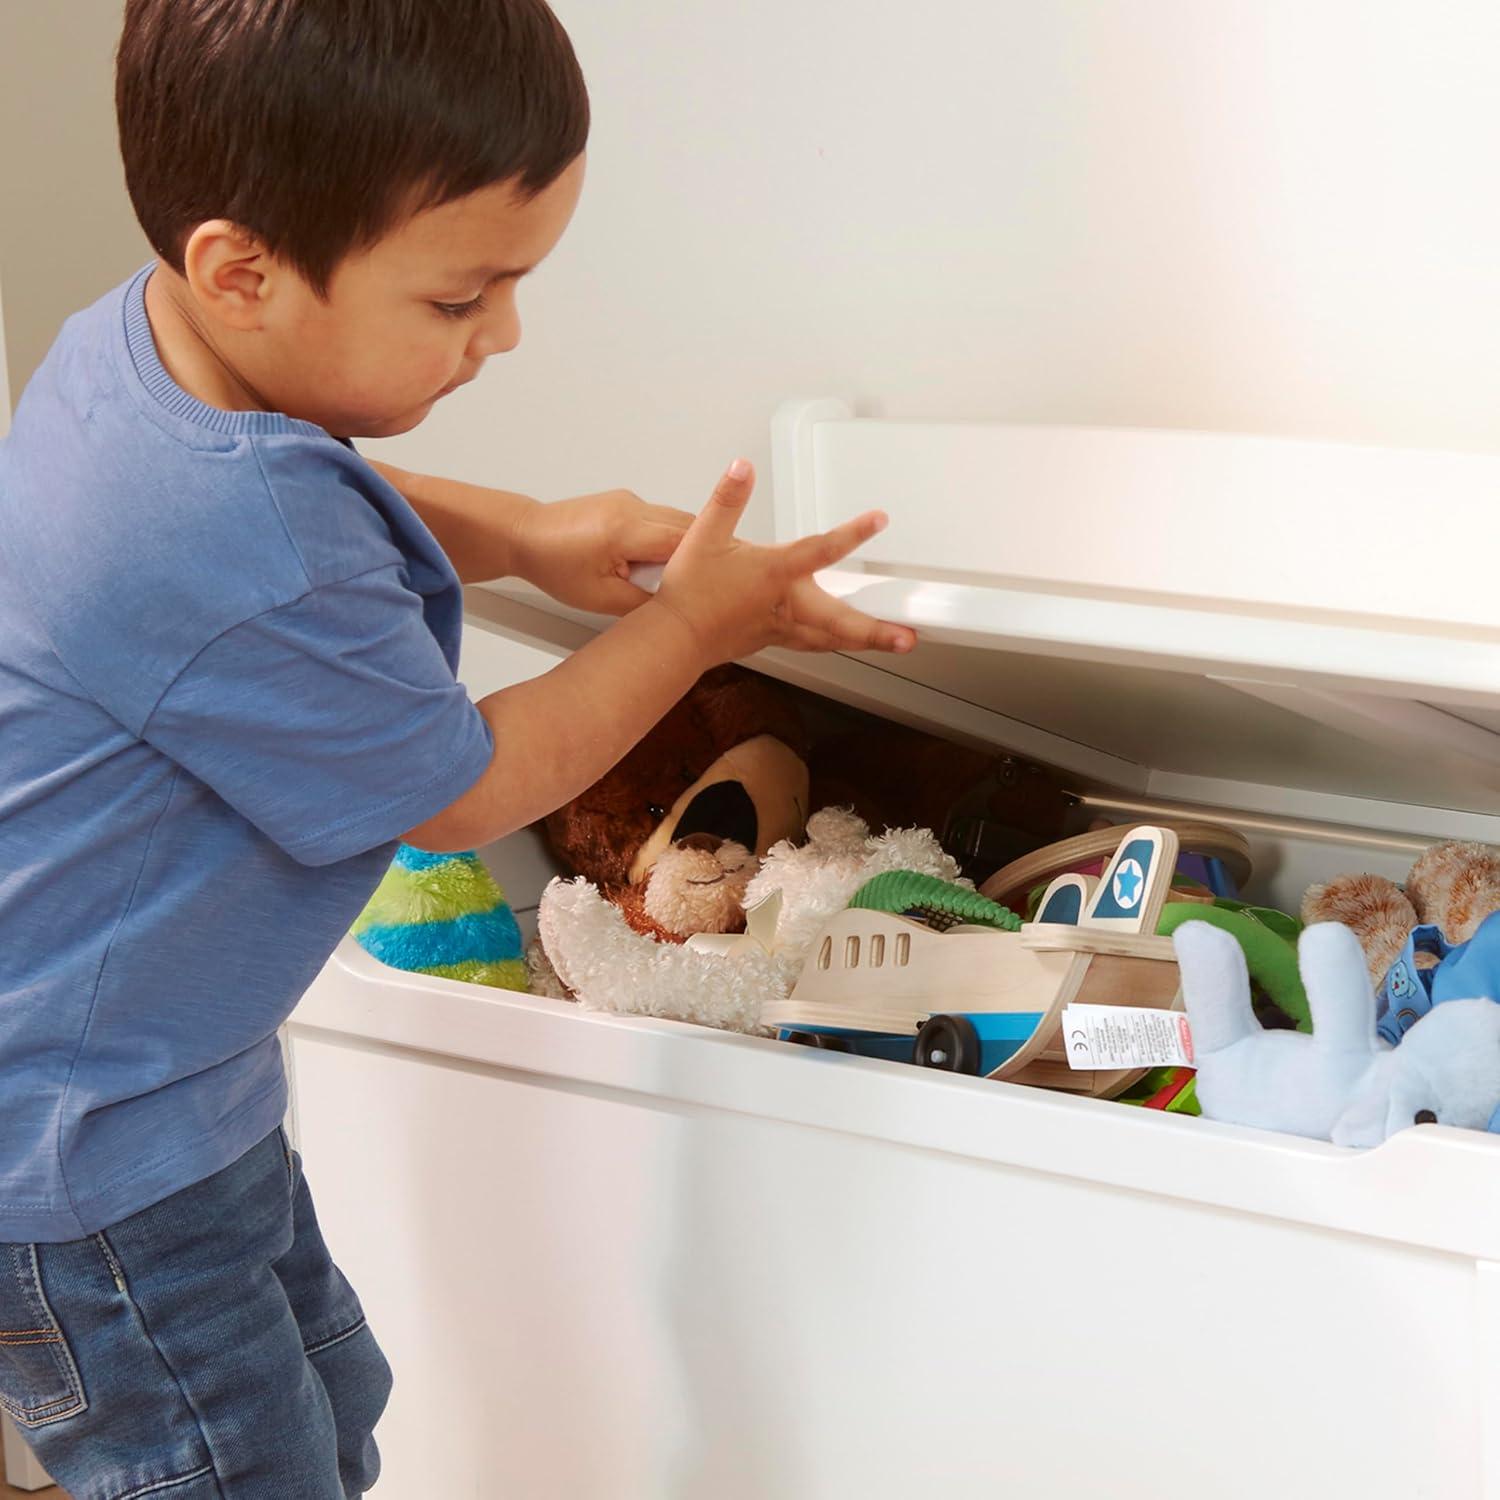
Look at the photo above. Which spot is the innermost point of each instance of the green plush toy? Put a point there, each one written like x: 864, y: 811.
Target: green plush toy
x: 1269, y: 941
x: 939, y: 903
x: 443, y: 914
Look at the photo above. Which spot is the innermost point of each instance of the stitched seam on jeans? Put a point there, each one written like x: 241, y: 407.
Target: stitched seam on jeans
x: 166, y: 1484
x: 140, y: 1317
x: 45, y: 1406
x: 111, y: 1260
x: 337, y: 1338
x: 33, y: 1415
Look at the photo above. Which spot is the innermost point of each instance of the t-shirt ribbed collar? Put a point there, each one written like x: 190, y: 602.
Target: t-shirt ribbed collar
x: 171, y: 397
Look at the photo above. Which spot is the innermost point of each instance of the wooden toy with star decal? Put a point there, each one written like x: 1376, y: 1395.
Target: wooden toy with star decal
x: 938, y: 973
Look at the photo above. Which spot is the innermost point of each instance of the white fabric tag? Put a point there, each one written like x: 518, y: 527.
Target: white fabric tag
x: 1125, y: 1036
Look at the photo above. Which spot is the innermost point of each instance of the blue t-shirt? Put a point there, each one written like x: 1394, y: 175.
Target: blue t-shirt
x: 227, y: 657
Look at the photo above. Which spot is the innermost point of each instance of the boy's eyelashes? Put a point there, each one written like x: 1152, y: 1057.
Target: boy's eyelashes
x: 476, y: 305
x: 470, y: 309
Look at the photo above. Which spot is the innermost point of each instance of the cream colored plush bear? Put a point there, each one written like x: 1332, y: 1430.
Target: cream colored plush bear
x: 610, y: 967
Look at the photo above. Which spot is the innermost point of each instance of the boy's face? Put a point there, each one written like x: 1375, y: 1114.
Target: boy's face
x: 414, y: 316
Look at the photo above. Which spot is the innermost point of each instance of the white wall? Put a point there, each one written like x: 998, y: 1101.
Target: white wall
x: 1261, y: 215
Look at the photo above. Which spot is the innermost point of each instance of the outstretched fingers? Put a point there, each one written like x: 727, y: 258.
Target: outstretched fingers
x: 848, y: 628
x: 727, y: 583
x: 717, y: 520
x: 813, y: 553
x: 805, y: 638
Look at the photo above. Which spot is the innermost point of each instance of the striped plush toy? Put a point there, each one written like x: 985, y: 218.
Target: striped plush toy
x: 443, y: 914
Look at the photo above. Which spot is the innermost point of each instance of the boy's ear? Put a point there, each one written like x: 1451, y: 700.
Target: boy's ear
x: 230, y: 273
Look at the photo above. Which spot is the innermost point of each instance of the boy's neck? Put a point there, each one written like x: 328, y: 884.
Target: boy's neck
x: 187, y: 349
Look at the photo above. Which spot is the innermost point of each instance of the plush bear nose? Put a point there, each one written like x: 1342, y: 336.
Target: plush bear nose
x: 709, y: 843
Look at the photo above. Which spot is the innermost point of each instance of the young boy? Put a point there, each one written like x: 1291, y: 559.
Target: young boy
x: 227, y: 652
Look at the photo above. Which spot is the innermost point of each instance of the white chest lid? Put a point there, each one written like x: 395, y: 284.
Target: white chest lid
x: 1165, y: 611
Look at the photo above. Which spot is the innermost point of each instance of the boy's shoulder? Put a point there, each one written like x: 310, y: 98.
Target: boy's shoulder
x: 138, y: 525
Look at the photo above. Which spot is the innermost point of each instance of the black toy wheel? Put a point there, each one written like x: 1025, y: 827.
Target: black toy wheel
x: 819, y: 1039
x: 948, y: 1043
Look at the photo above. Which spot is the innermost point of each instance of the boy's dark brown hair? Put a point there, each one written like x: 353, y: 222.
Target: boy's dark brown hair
x: 318, y: 124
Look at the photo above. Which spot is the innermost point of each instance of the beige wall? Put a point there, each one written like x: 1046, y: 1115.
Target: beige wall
x: 1268, y: 216
x: 66, y: 230
x: 4, y: 379
x: 1253, y: 215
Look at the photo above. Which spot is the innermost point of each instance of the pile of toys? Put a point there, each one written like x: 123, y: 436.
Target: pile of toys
x: 1403, y: 1027
x: 703, y: 891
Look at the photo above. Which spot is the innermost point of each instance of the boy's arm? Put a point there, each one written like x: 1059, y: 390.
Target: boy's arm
x: 557, y: 734
x: 720, y: 599
x: 579, y: 551
x: 475, y: 526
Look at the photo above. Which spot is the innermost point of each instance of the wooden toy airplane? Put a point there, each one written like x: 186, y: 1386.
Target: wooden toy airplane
x: 979, y: 1000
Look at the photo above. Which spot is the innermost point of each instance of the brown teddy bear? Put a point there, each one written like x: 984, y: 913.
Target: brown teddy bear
x: 673, y: 834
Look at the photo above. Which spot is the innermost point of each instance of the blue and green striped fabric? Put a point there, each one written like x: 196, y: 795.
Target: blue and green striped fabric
x: 443, y: 914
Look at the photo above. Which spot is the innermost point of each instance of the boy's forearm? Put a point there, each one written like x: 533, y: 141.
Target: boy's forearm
x: 474, y: 525
x: 559, y: 733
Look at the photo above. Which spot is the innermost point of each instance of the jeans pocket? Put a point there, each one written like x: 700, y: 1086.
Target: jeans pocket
x: 38, y: 1377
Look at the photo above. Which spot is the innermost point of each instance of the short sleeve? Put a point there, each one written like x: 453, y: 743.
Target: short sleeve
x: 333, y: 723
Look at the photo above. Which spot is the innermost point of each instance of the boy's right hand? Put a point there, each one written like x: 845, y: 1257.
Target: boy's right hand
x: 737, y: 597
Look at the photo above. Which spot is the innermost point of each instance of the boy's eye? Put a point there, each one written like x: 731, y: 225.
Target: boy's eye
x: 461, y: 309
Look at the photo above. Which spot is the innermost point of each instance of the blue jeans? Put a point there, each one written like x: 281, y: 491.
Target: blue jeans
x: 206, y: 1346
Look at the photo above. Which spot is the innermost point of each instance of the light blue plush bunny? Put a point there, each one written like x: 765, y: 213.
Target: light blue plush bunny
x: 1341, y: 1083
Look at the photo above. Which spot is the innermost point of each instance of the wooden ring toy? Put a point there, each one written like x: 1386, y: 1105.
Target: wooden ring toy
x: 1012, y: 885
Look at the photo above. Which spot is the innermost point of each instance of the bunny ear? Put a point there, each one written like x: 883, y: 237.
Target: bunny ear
x: 1338, y: 988
x: 1215, y: 986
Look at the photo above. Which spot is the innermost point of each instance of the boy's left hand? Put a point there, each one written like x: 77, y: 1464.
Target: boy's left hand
x: 580, y: 551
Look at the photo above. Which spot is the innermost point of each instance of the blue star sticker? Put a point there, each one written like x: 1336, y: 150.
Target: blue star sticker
x: 1127, y: 882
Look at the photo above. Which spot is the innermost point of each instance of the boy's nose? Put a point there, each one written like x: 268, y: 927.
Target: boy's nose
x: 497, y: 335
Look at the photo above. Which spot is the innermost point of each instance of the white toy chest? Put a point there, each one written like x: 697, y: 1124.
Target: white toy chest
x: 630, y: 1260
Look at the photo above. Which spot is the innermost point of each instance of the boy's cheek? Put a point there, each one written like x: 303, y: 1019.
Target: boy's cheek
x: 394, y: 409
x: 375, y: 385
x: 385, y: 385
